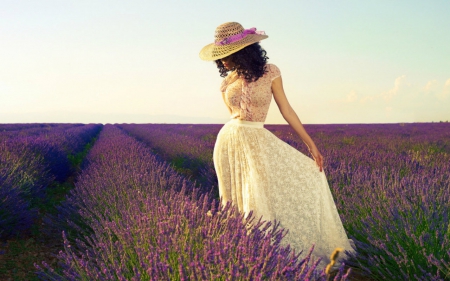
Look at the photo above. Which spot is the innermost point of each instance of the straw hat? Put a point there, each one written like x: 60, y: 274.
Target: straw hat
x: 229, y: 38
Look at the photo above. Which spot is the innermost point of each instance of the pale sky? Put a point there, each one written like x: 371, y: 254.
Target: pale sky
x: 137, y: 61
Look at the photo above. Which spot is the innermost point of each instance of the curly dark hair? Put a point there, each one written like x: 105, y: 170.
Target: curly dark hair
x: 249, y: 62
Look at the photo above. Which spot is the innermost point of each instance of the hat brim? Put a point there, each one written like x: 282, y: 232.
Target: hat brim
x: 214, y: 52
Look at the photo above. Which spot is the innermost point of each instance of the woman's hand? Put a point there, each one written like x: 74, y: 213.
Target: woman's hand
x: 317, y: 157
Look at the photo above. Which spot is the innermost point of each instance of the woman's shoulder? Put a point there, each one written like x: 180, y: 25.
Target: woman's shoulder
x: 227, y: 80
x: 272, y: 71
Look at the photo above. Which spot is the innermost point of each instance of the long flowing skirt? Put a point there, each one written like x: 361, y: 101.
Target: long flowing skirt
x: 258, y: 171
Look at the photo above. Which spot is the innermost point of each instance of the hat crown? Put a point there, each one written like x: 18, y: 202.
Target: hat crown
x: 226, y: 30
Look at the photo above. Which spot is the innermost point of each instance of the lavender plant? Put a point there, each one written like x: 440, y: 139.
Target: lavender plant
x: 22, y: 179
x: 146, y: 222
x: 189, y: 155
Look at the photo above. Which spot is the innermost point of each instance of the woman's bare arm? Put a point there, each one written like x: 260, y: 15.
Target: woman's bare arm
x: 291, y: 117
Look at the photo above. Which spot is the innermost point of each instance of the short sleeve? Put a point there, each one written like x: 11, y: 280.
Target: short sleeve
x: 274, y: 71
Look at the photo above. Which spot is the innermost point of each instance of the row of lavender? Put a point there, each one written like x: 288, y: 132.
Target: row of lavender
x: 187, y: 147
x: 390, y: 182
x: 133, y: 217
x: 31, y: 158
x: 23, y: 126
x: 9, y: 131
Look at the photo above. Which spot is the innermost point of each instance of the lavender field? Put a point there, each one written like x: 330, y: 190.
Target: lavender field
x: 143, y: 204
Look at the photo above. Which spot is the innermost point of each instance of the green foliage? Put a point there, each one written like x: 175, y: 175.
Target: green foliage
x: 209, y: 137
x: 21, y: 255
x: 348, y: 140
x: 54, y: 195
x: 76, y: 159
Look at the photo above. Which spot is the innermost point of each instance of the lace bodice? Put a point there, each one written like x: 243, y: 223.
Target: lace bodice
x: 249, y: 101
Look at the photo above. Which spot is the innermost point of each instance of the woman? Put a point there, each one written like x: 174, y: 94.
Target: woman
x: 257, y: 171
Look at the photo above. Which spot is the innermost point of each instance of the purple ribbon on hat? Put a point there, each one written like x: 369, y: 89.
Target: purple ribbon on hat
x: 239, y: 36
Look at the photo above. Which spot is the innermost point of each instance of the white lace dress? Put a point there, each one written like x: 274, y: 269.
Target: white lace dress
x: 258, y: 171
